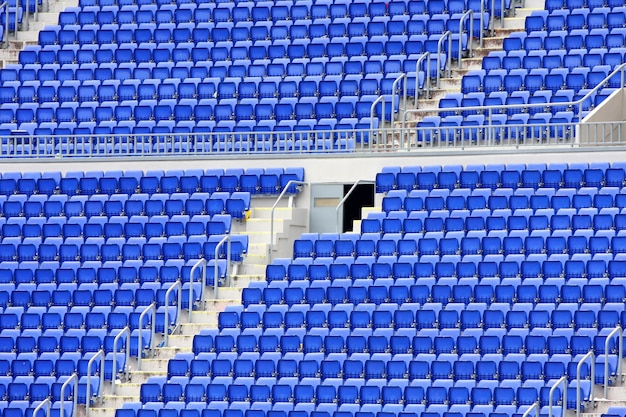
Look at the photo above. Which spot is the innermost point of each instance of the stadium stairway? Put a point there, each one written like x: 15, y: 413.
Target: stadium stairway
x: 491, y: 43
x: 289, y: 221
x: 29, y: 34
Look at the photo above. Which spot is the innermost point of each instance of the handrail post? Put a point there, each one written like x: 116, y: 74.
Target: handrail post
x: 99, y: 354
x: 393, y: 95
x: 280, y: 196
x: 589, y: 355
x: 382, y: 119
x: 6, y: 23
x: 562, y: 380
x: 492, y: 18
x: 124, y: 331
x: 618, y: 330
x: 417, y: 75
x: 73, y: 377
x: 17, y: 17
x: 191, y: 279
x: 177, y: 285
x: 534, y: 406
x: 482, y: 22
x: 445, y: 35
x: 26, y: 15
x: 45, y: 402
x: 151, y: 308
x: 343, y: 200
x: 216, y: 271
x: 470, y: 38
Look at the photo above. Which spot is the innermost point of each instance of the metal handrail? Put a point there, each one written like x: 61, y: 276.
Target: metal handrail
x: 6, y: 23
x: 534, y: 406
x: 470, y: 40
x: 280, y: 196
x: 99, y: 354
x: 177, y: 285
x: 400, y: 77
x: 45, y: 402
x: 73, y: 377
x: 26, y: 15
x: 493, y: 16
x: 201, y: 262
x: 620, y: 69
x: 562, y: 380
x: 151, y: 308
x: 588, y: 356
x: 124, y: 331
x: 620, y: 342
x: 482, y: 22
x: 343, y: 200
x: 216, y: 269
x: 424, y: 56
x: 447, y: 34
x: 373, y: 110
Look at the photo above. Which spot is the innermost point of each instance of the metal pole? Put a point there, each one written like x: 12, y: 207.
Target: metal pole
x: 343, y: 200
x: 191, y: 275
x: 618, y: 330
x: 17, y: 18
x: 73, y: 377
x: 591, y: 356
x: 502, y: 14
x: 46, y: 403
x: 393, y: 95
x: 99, y: 354
x: 177, y: 285
x: 439, y: 43
x: 6, y: 23
x: 216, y: 269
x: 150, y: 308
x: 283, y: 192
x: 417, y: 75
x: 562, y: 380
x: 492, y: 18
x: 535, y: 406
x: 482, y: 21
x: 25, y: 25
x: 124, y: 331
x: 373, y: 109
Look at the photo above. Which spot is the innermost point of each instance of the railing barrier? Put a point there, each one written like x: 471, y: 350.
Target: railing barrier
x: 124, y: 331
x: 99, y: 354
x: 280, y: 196
x: 150, y: 309
x: 201, y: 263
x: 179, y: 286
x: 216, y: 278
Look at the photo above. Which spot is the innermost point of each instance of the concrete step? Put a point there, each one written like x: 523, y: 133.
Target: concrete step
x: 266, y: 213
x: 264, y: 225
x: 113, y: 402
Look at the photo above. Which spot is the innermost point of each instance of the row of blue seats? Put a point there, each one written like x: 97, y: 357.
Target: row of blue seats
x: 554, y: 5
x: 90, y: 209
x: 348, y: 394
x: 599, y: 17
x: 499, y: 167
x: 194, y: 93
x: 412, y: 268
x: 378, y: 294
x: 508, y: 178
x: 198, y: 187
x: 605, y: 204
x: 575, y: 60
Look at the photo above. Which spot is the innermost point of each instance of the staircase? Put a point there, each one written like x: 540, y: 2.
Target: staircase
x: 616, y: 397
x: 493, y: 41
x: 290, y: 222
x: 29, y: 34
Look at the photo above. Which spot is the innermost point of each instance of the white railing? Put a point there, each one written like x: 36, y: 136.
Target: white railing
x: 124, y: 332
x: 140, y: 349
x: 74, y: 378
x: 563, y: 381
x: 620, y: 343
x: 88, y: 397
x: 216, y: 278
x: 45, y: 403
x: 280, y: 197
x: 201, y: 263
x: 179, y: 295
x: 589, y: 357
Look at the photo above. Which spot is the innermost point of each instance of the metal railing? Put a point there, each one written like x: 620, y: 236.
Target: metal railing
x: 216, y: 272
x: 73, y: 377
x: 425, y: 56
x: 179, y: 295
x: 99, y: 354
x: 150, y: 309
x: 446, y: 35
x: 493, y: 16
x: 620, y: 343
x: 489, y: 111
x: 280, y: 197
x: 589, y: 357
x: 44, y: 403
x: 381, y: 125
x: 201, y: 263
x: 562, y: 380
x: 5, y: 35
x: 470, y: 40
x: 344, y: 199
x: 534, y: 406
x: 394, y: 86
x: 124, y: 331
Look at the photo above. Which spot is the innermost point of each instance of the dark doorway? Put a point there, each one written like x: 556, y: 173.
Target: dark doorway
x: 362, y: 196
